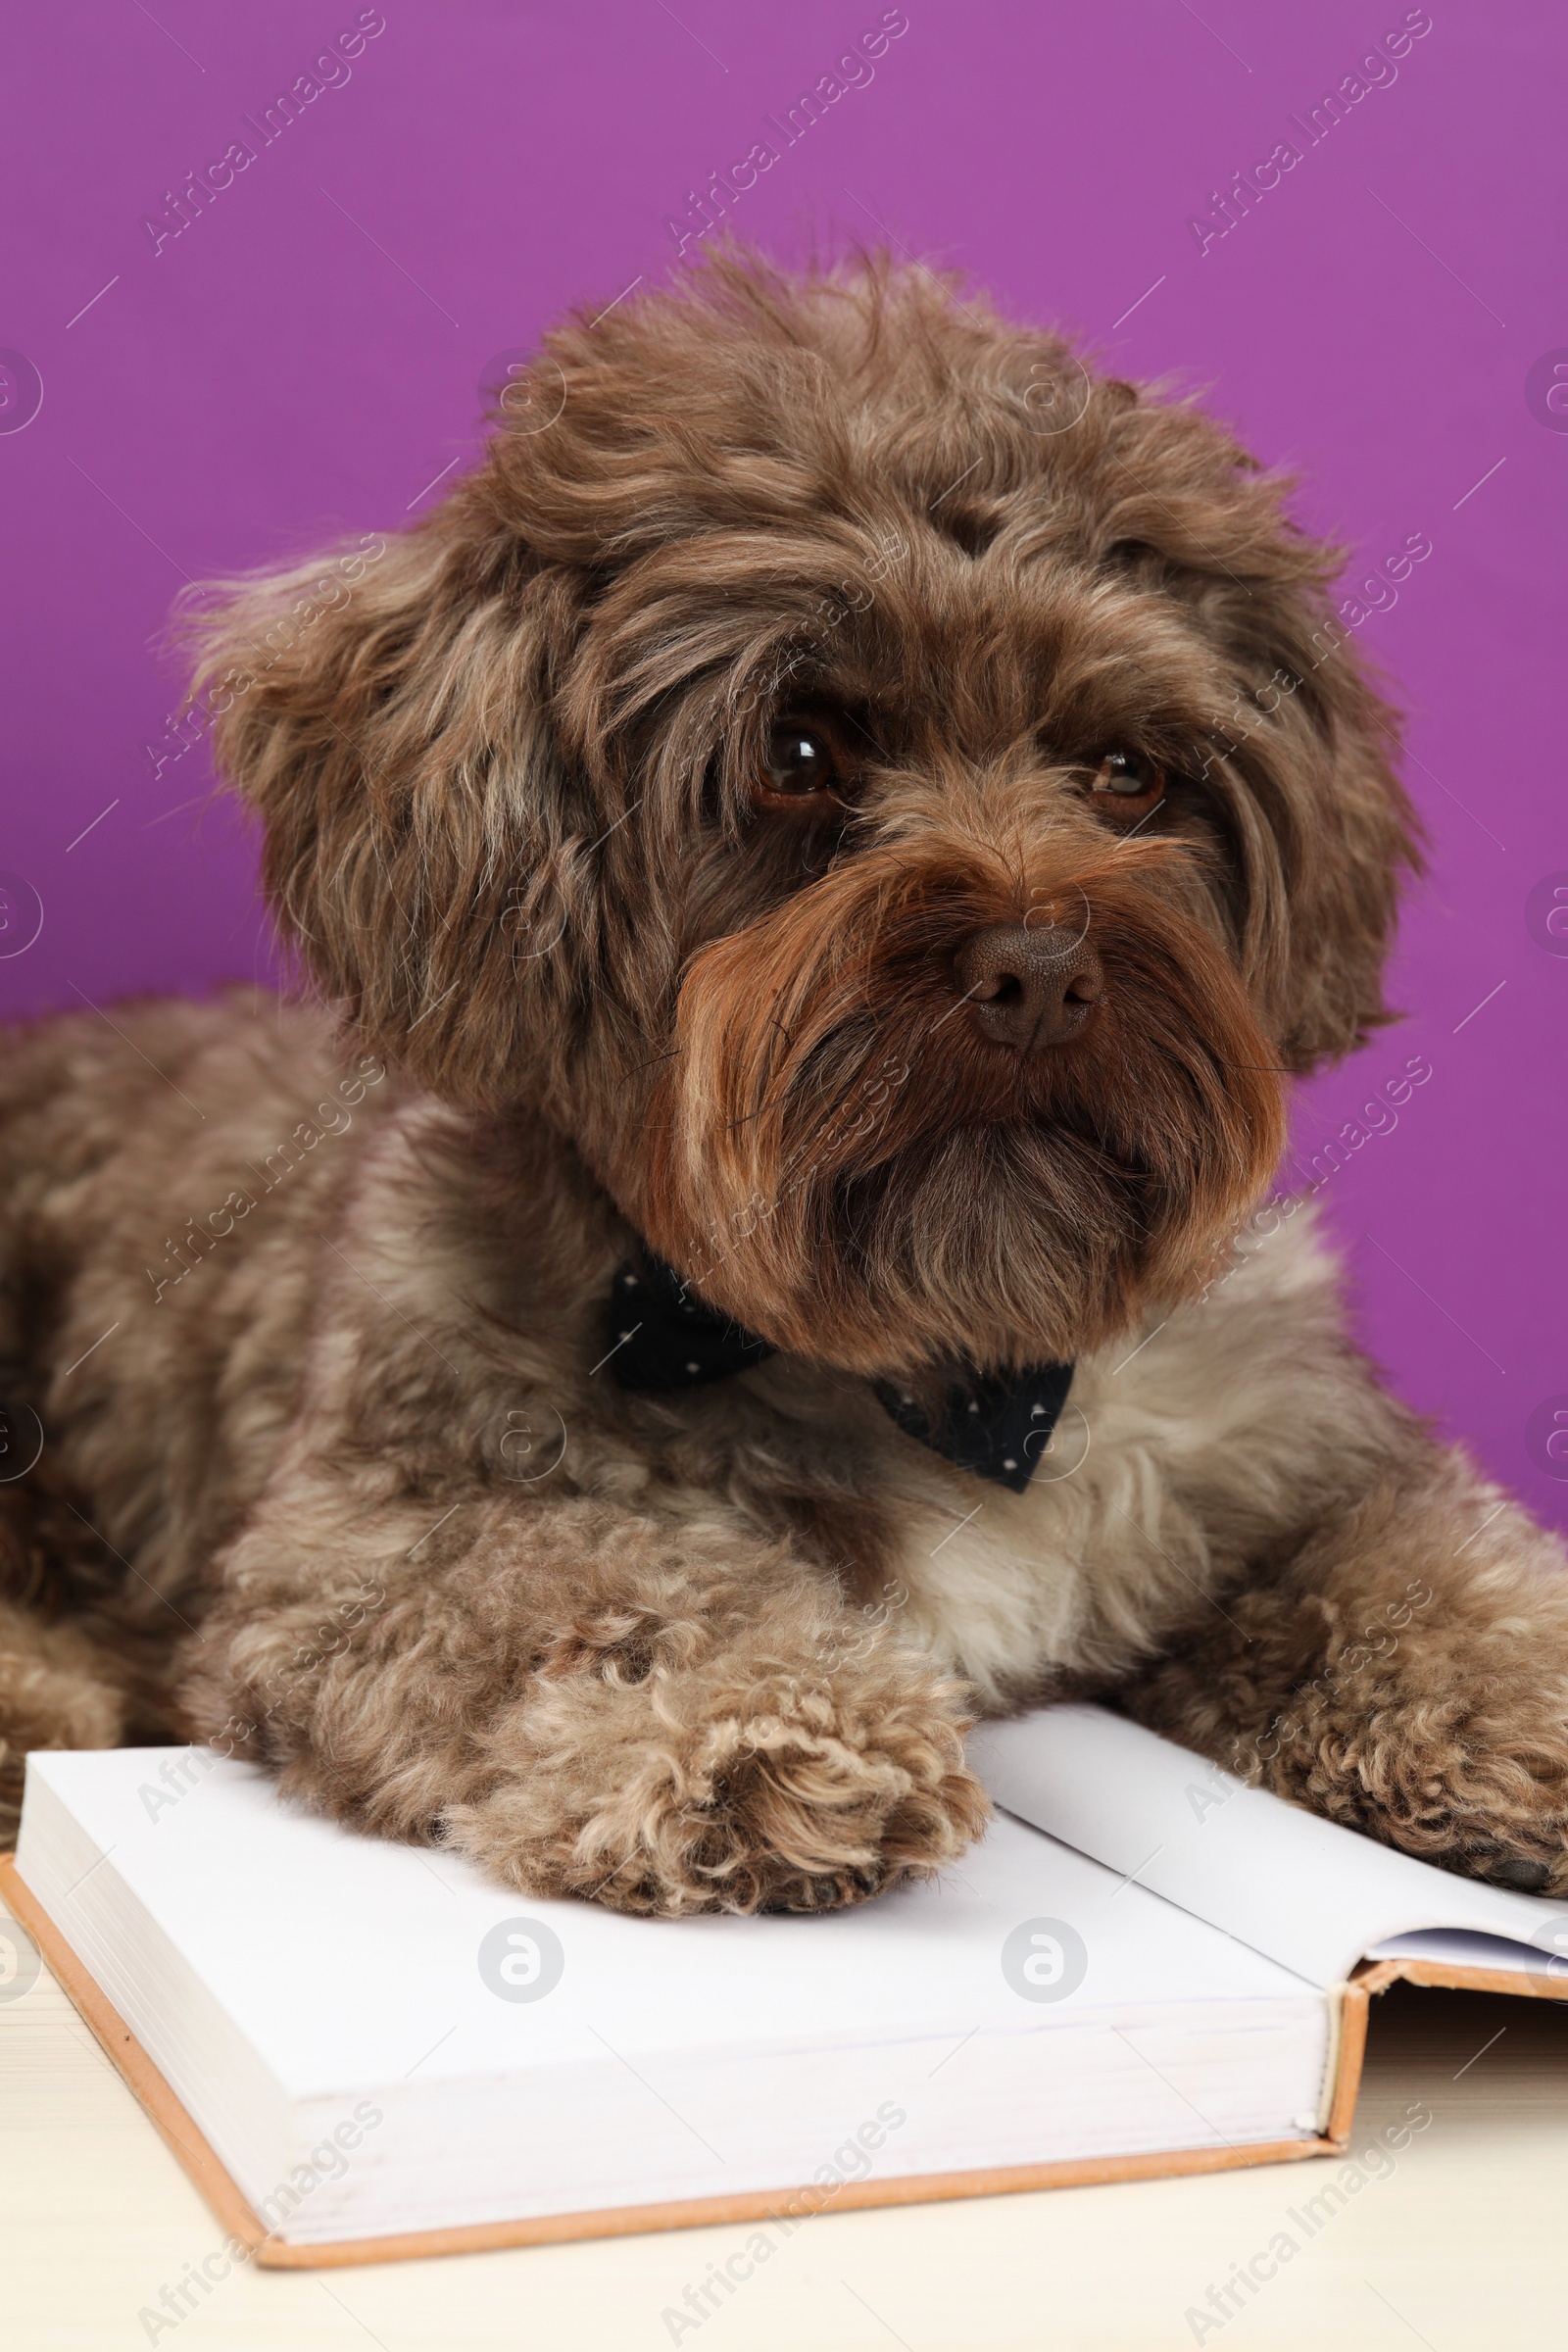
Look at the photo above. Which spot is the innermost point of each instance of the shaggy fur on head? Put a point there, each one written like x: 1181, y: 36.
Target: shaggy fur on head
x: 506, y: 791
x: 1065, y: 700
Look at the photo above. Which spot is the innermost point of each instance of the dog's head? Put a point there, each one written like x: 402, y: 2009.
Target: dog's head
x: 898, y: 802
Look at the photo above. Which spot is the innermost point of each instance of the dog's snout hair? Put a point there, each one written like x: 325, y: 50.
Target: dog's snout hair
x: 834, y: 1130
x: 510, y: 785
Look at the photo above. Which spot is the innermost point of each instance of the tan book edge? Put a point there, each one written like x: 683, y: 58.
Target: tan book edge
x: 264, y: 2246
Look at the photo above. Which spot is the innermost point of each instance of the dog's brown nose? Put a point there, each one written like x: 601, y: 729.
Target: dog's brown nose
x: 1026, y: 986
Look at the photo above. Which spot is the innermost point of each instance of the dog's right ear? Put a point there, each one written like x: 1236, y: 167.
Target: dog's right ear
x: 385, y: 712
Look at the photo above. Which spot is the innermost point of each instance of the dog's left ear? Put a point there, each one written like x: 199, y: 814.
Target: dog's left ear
x: 1299, y: 768
x: 384, y: 710
x: 1343, y: 828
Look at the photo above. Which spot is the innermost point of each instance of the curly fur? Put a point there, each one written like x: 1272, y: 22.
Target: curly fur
x: 313, y: 1304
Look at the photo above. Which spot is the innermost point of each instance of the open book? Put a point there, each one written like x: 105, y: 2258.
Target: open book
x: 361, y: 2050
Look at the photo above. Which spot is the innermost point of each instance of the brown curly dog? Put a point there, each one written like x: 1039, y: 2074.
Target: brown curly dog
x: 820, y: 856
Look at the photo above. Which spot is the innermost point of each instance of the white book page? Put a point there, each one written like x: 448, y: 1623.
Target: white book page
x: 1312, y: 1896
x: 348, y: 1961
x: 282, y: 1971
x: 1461, y: 1947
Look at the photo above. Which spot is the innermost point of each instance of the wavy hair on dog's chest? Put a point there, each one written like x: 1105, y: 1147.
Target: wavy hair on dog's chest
x: 1169, y: 1462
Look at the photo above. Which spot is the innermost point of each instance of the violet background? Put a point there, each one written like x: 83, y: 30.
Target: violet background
x: 303, y: 362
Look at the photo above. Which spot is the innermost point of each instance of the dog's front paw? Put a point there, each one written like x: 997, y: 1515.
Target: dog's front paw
x: 1482, y: 1791
x: 1449, y: 1741
x: 750, y: 1786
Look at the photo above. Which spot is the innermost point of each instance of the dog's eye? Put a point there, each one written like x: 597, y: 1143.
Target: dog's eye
x: 1126, y: 784
x: 801, y: 764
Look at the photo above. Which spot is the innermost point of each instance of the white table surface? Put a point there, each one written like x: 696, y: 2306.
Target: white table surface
x: 1463, y: 2247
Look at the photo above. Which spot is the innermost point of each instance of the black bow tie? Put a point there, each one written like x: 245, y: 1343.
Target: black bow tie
x: 666, y: 1339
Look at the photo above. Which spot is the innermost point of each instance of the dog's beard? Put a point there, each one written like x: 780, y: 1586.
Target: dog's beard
x: 837, y: 1158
